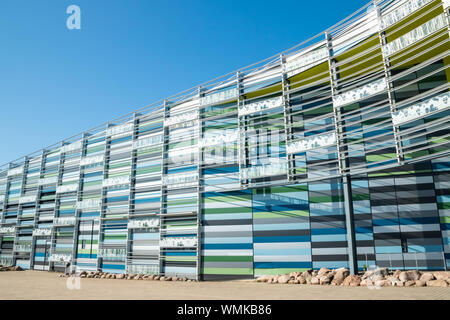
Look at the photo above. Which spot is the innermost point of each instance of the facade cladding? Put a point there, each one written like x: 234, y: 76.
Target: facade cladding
x: 332, y: 154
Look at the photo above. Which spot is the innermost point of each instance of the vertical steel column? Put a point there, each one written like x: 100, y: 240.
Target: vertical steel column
x: 343, y: 165
x: 242, y: 128
x: 289, y: 137
x: 103, y: 193
x: 51, y: 264
x: 131, y: 186
x: 22, y: 193
x: 390, y: 91
x: 76, y: 226
x: 199, y: 275
x: 16, y: 230
x: 36, y: 207
x: 163, y: 188
x: 4, y: 205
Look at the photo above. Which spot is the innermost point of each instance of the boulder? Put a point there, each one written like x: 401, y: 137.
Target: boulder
x: 296, y: 281
x: 420, y: 283
x: 324, y: 280
x: 113, y: 276
x: 399, y: 283
x: 441, y: 275
x: 392, y: 279
x: 315, y: 280
x: 175, y: 278
x: 437, y: 283
x: 381, y: 272
x: 403, y: 277
x: 366, y: 282
x: 83, y: 275
x: 103, y: 276
x: 291, y: 281
x: 340, y: 275
x: 162, y: 278
x: 301, y: 280
x: 352, y: 281
x: 366, y: 275
x: 413, y: 275
x: 264, y: 278
x: 323, y: 271
x: 283, y: 279
x: 410, y: 283
x: 397, y: 273
x: 427, y: 276
x: 383, y: 283
x: 120, y: 276
x: 306, y: 274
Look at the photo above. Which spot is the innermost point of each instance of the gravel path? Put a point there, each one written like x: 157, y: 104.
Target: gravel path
x: 47, y: 285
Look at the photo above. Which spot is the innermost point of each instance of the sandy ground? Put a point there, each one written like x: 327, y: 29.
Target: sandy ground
x: 47, y: 285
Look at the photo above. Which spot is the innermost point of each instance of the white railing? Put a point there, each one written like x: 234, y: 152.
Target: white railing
x: 143, y: 223
x: 64, y: 221
x: 177, y: 242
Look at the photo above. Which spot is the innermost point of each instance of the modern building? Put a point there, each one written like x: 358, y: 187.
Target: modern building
x: 334, y: 153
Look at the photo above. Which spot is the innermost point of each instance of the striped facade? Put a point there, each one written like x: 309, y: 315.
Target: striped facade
x: 333, y: 154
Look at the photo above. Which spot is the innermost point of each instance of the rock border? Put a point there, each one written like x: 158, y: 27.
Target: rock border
x: 11, y: 268
x: 126, y: 276
x: 380, y: 277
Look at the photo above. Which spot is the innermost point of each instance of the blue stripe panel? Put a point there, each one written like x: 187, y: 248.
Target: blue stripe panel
x: 271, y: 265
x: 282, y: 239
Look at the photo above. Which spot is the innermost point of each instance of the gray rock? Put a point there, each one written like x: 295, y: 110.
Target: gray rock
x: 403, y: 277
x: 324, y: 280
x: 301, y: 280
x: 352, y: 281
x: 264, y: 278
x: 413, y: 275
x: 410, y: 283
x: 397, y: 273
x: 381, y: 272
x: 323, y: 271
x: 441, y: 275
x: 437, y: 283
x: 315, y: 280
x: 340, y: 275
x: 420, y: 283
x: 383, y: 283
x: 283, y: 279
x: 427, y: 276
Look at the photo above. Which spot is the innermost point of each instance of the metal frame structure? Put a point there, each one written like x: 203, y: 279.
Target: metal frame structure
x: 361, y: 72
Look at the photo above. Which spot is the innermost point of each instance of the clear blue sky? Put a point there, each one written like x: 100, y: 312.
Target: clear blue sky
x: 56, y: 82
